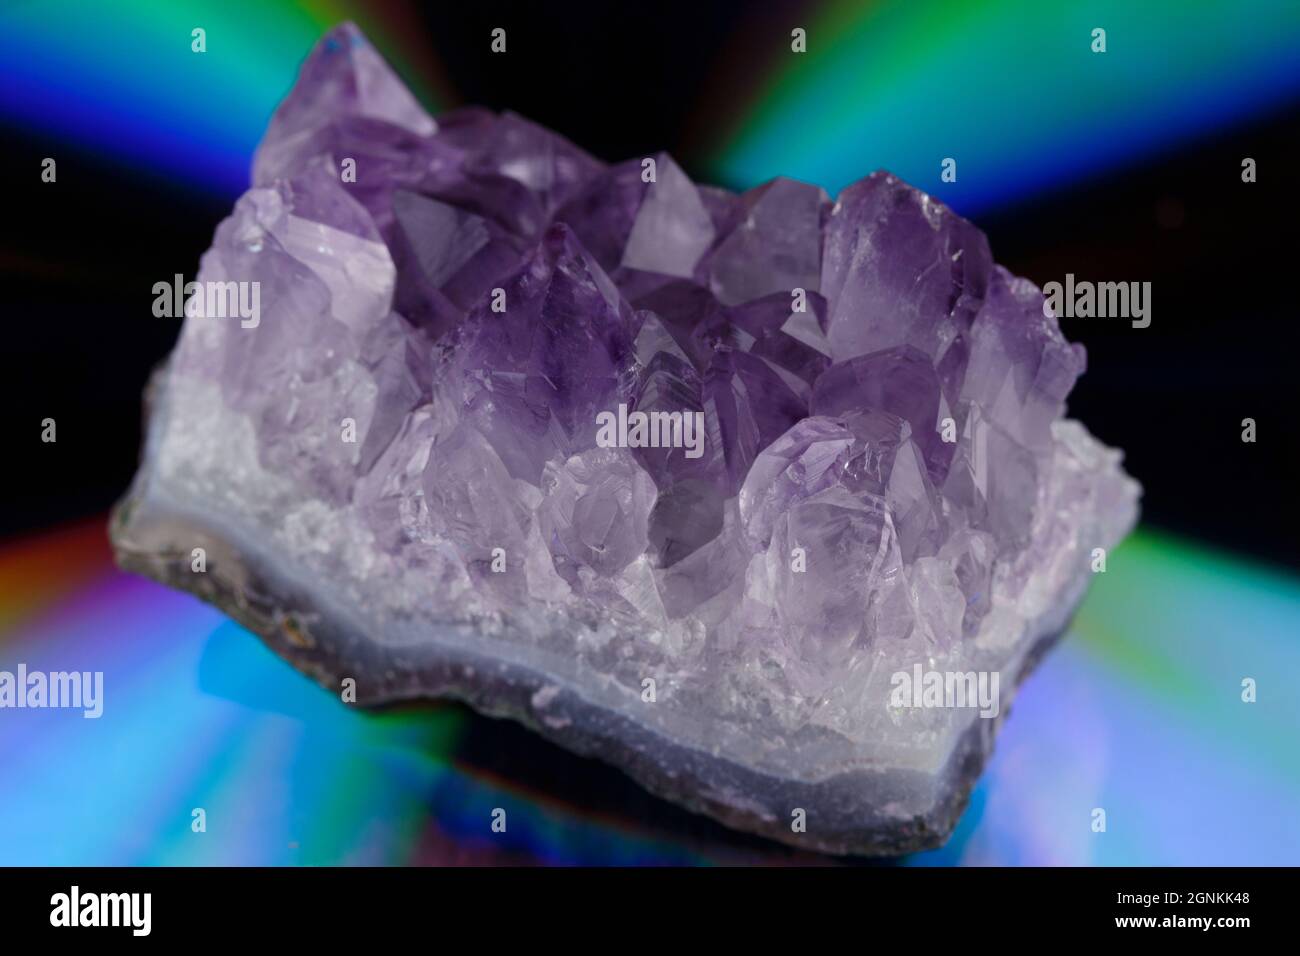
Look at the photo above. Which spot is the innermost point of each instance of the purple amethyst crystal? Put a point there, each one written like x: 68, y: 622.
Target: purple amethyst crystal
x: 690, y: 481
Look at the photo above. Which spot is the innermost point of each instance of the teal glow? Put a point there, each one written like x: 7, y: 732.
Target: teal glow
x: 1139, y: 711
x: 1010, y: 89
x: 122, y: 80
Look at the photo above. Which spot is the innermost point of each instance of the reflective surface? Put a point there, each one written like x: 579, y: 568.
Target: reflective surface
x: 1137, y: 712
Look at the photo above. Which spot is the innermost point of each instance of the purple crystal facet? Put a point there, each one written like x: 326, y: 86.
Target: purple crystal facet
x: 402, y: 474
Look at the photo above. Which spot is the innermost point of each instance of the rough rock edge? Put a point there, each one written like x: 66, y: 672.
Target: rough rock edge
x: 156, y: 542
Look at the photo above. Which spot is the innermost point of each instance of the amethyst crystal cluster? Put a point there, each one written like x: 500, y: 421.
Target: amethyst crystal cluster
x: 396, y: 473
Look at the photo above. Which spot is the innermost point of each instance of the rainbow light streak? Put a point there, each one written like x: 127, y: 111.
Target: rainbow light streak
x: 120, y: 79
x: 898, y: 84
x: 1138, y: 712
x: 198, y: 713
x: 1009, y: 88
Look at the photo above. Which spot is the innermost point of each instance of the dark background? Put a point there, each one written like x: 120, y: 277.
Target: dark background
x: 79, y: 263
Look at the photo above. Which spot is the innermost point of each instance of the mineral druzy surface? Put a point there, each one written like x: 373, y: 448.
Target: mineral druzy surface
x: 397, y: 471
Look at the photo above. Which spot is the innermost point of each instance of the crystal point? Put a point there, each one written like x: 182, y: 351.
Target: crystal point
x: 840, y: 456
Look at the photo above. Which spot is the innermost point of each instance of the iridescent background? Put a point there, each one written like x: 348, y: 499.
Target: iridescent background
x: 1138, y: 712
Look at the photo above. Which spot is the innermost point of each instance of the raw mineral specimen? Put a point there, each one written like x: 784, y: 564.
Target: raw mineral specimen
x: 396, y: 472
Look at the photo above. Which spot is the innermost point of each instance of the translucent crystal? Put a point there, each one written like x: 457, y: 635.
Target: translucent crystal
x: 399, y: 473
